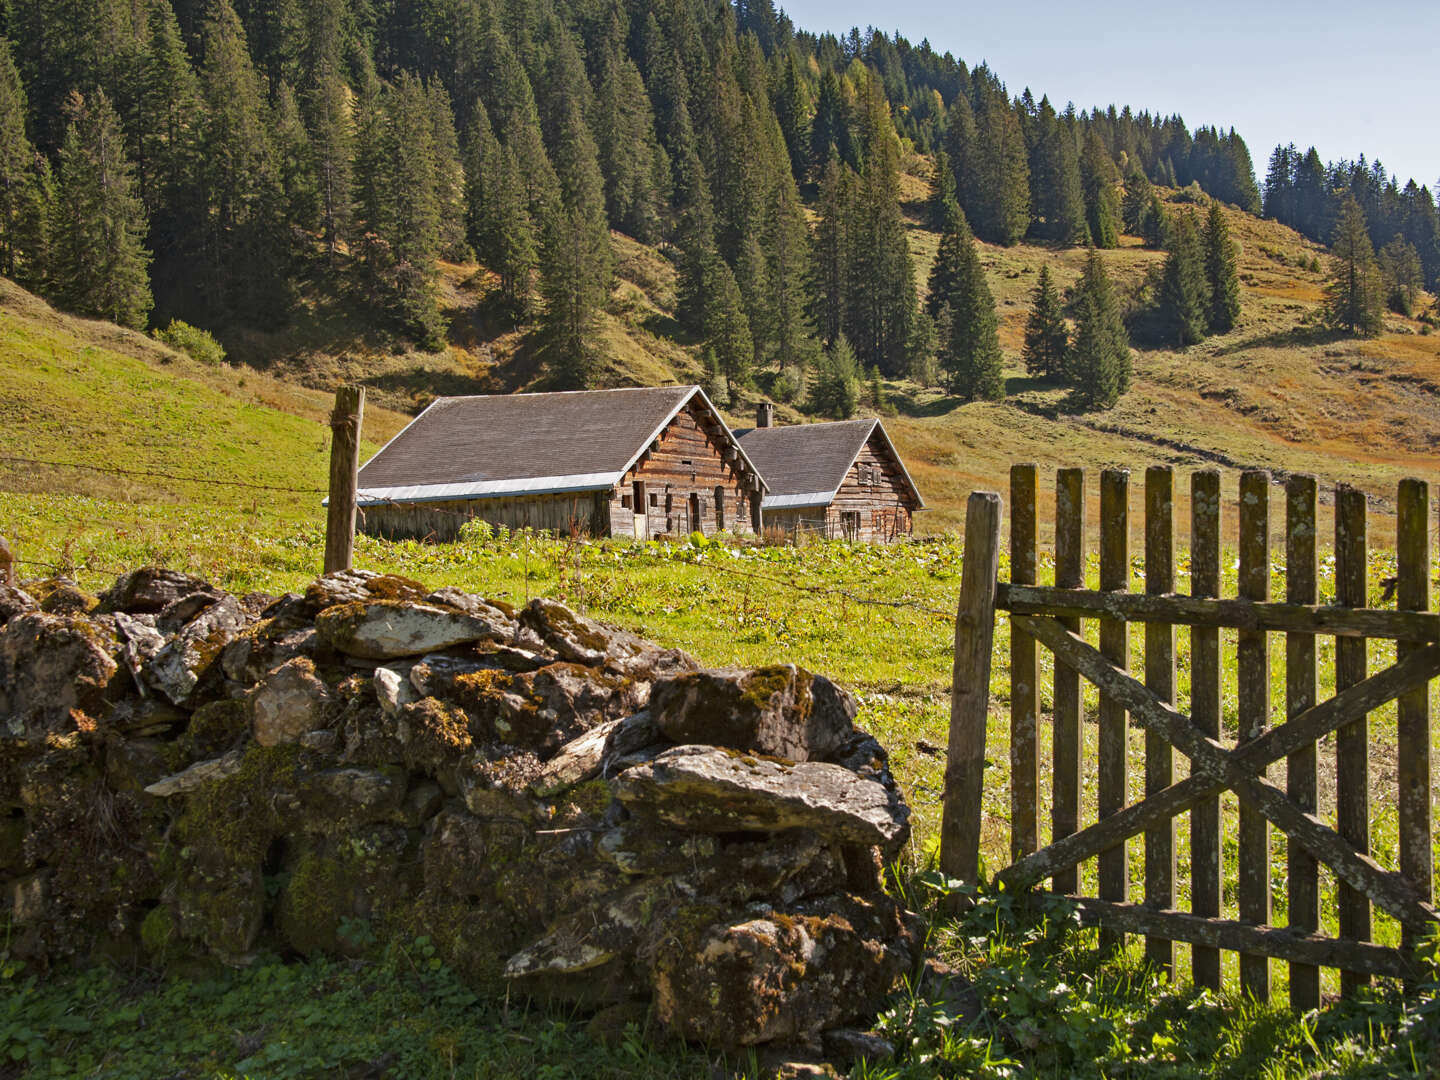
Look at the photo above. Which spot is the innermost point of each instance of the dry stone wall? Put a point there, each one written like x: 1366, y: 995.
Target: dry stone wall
x: 561, y: 806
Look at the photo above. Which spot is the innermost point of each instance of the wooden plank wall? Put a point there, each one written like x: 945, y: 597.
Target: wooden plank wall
x: 441, y: 521
x: 687, y: 459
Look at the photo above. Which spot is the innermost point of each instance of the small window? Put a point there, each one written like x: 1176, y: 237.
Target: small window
x: 625, y: 501
x: 850, y: 524
x: 686, y: 461
x: 654, y: 498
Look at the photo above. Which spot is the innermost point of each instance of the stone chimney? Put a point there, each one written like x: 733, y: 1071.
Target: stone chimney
x: 765, y: 415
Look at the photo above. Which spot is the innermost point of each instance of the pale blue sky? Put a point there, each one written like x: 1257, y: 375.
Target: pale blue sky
x: 1348, y: 78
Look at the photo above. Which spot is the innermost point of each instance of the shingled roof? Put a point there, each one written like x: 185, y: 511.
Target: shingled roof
x: 525, y: 444
x: 805, y: 464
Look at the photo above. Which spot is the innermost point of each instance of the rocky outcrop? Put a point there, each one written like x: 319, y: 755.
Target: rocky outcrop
x: 558, y: 805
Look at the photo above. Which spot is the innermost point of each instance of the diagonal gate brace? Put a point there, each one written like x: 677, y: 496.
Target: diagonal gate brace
x: 1216, y: 768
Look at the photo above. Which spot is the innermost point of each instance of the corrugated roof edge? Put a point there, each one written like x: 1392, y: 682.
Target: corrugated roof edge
x: 489, y: 489
x: 791, y: 502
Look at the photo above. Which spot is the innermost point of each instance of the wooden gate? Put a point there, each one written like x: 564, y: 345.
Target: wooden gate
x: 1052, y: 616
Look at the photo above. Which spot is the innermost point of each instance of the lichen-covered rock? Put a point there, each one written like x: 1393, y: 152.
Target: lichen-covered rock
x: 15, y: 602
x: 51, y: 665
x: 386, y: 629
x: 344, y: 893
x: 263, y: 647
x: 219, y: 902
x: 340, y: 800
x: 202, y: 772
x: 584, y: 641
x: 584, y: 758
x: 547, y: 708
x: 360, y: 586
x: 782, y: 974
x: 187, y: 658
x: 62, y: 597
x: 606, y: 930
x: 712, y: 790
x: 151, y: 589
x: 290, y: 702
x: 783, y: 711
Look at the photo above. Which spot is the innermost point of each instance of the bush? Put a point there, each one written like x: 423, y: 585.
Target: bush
x: 199, y: 344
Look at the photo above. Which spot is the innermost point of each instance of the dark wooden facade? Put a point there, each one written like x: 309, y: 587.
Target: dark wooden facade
x: 688, y: 481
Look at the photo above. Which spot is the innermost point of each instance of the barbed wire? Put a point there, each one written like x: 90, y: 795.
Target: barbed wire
x: 155, y: 473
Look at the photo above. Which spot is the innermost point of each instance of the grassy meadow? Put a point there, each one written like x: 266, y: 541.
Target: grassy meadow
x: 116, y: 451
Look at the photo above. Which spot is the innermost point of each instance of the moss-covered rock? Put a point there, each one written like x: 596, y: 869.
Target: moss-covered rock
x: 347, y: 892
x: 52, y: 666
x: 214, y: 728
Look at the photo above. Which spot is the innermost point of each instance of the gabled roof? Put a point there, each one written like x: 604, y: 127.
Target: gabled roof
x: 526, y: 444
x: 805, y: 464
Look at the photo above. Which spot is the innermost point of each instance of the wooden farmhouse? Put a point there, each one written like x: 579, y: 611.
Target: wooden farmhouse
x: 633, y: 462
x: 834, y: 480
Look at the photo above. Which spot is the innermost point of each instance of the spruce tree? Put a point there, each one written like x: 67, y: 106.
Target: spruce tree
x: 835, y: 388
x: 786, y: 242
x: 830, y: 127
x: 630, y: 155
x: 970, y: 355
x: 411, y: 223
x: 1047, y: 338
x: 1354, y: 296
x: 516, y: 244
x: 1221, y: 273
x: 332, y: 149
x: 942, y: 191
x: 831, y: 252
x: 1097, y: 177
x: 449, y: 176
x: 792, y: 113
x: 994, y: 170
x: 1184, y: 301
x: 100, y: 259
x: 727, y: 330
x: 1402, y: 273
x: 950, y: 258
x: 17, y: 158
x: 1099, y: 367
x: 1059, y: 199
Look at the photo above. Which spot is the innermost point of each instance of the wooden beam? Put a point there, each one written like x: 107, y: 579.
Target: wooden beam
x: 1390, y: 890
x: 1205, y: 862
x: 345, y: 423
x: 1277, y: 942
x: 1346, y: 622
x: 970, y: 691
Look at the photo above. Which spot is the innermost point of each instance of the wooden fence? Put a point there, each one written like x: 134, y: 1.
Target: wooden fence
x: 1051, y: 616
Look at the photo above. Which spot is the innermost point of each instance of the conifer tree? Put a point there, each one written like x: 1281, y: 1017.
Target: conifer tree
x: 1099, y: 368
x: 481, y: 156
x: 830, y: 128
x: 17, y: 158
x: 970, y: 354
x: 634, y: 165
x: 516, y: 244
x: 100, y: 259
x: 449, y: 175
x: 1354, y: 296
x: 994, y: 170
x: 293, y: 159
x: 942, y: 191
x: 1097, y: 177
x: 167, y: 103
x: 1220, y: 272
x: 332, y: 149
x: 1047, y: 338
x: 950, y: 258
x: 1184, y: 292
x: 787, y: 245
x: 792, y: 114
x: 411, y: 222
x: 1059, y: 200
x: 727, y: 330
x: 834, y: 390
x: 753, y: 278
x: 1402, y: 273
x: 832, y: 249
x: 576, y: 261
x: 241, y: 177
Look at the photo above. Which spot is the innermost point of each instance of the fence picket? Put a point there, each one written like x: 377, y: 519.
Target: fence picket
x: 1301, y: 693
x: 1352, y: 742
x: 1252, y: 657
x: 1160, y: 677
x: 1412, y: 543
x: 1066, y: 775
x: 1114, y: 732
x: 1024, y: 668
x: 1205, y: 714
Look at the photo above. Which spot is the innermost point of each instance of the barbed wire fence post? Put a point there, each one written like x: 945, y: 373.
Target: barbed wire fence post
x: 345, y: 424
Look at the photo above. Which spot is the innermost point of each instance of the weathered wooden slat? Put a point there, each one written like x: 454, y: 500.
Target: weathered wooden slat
x: 1024, y: 671
x: 1113, y: 752
x: 1343, y: 622
x: 970, y: 691
x: 1216, y: 934
x: 1252, y: 661
x: 1301, y: 693
x: 345, y: 423
x: 1390, y: 890
x: 1352, y: 742
x: 1412, y: 542
x: 1160, y: 679
x: 1205, y: 715
x: 1066, y: 778
x: 1253, y: 757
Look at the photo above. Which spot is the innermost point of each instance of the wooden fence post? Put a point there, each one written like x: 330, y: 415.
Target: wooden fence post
x: 1252, y: 656
x: 1114, y: 729
x: 1301, y: 693
x: 970, y: 692
x: 1024, y: 671
x: 1412, y: 543
x: 1067, y: 777
x: 1160, y: 677
x: 7, y: 563
x: 1205, y: 714
x: 1352, y: 742
x: 344, y: 477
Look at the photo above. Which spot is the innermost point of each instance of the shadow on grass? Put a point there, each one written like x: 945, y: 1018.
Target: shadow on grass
x: 1294, y: 338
